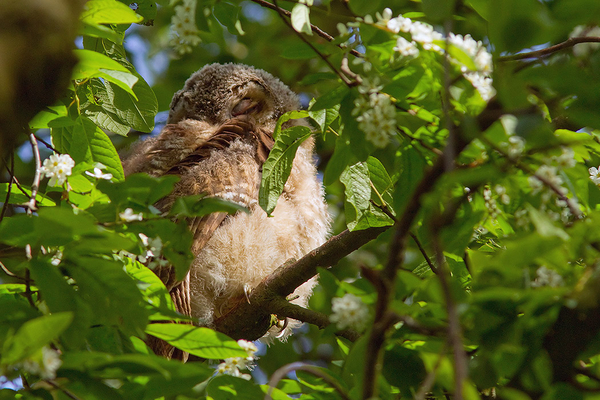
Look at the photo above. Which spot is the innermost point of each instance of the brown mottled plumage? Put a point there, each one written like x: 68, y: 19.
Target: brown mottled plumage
x: 217, y: 137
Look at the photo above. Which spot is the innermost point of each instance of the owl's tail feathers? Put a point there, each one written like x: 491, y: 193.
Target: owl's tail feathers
x: 182, y: 301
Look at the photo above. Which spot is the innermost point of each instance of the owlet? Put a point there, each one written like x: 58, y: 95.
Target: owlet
x: 218, y: 135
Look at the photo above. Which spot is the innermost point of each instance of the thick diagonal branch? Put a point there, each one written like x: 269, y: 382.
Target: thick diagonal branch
x: 251, y: 318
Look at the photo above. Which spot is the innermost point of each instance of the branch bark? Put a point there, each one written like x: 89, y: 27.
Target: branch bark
x: 550, y: 50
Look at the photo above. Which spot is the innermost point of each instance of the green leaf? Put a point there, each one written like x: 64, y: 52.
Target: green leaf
x: 295, y: 114
x: 113, y: 295
x: 139, y: 189
x: 232, y: 388
x: 360, y: 212
x: 330, y: 99
x: 108, y: 12
x: 41, y: 120
x: 300, y: 18
x: 102, y: 31
x: 33, y: 335
x: 152, y: 288
x: 198, y: 206
x: 227, y: 14
x: 18, y: 197
x: 325, y: 117
x: 544, y: 225
x: 87, y: 143
x: 90, y: 63
x: 201, y: 342
x: 362, y: 7
x: 278, y: 165
x: 124, y: 80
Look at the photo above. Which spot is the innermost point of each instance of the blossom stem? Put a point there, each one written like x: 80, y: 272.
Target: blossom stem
x: 10, y: 182
x: 36, y: 178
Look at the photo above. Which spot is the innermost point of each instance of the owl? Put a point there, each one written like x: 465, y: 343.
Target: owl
x: 218, y: 135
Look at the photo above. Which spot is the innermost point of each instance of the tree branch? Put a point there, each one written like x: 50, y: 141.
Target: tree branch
x: 251, y: 319
x: 552, y: 49
x: 284, y: 308
x: 318, y: 31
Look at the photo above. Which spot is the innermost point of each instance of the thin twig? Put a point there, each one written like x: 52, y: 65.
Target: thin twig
x: 314, y: 28
x: 552, y: 49
x: 424, y: 253
x: 67, y: 393
x: 36, y: 179
x: 551, y: 185
x: 48, y: 145
x: 454, y: 328
x: 309, y: 44
x: 10, y: 273
x: 10, y: 182
x: 280, y: 373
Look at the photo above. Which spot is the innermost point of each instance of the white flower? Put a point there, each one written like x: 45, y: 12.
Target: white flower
x: 424, y: 33
x: 129, y: 216
x: 385, y: 16
x: 349, y: 312
x: 550, y: 174
x: 516, y: 145
x: 567, y: 158
x: 547, y: 277
x: 406, y: 48
x: 98, y: 174
x: 44, y: 364
x: 248, y: 346
x: 595, y: 175
x: 399, y: 24
x: 57, y: 167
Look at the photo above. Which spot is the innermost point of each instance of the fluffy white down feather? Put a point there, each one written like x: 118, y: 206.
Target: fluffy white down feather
x: 248, y: 247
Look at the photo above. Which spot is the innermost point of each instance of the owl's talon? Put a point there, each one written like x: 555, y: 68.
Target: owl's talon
x: 281, y: 324
x: 247, y: 291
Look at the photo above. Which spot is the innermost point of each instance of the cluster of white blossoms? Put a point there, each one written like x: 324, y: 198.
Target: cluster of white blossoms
x: 349, y: 312
x: 185, y: 31
x: 232, y: 366
x: 376, y: 113
x: 429, y: 39
x: 547, y: 277
x: 57, y: 167
x: 490, y: 203
x: 44, y: 364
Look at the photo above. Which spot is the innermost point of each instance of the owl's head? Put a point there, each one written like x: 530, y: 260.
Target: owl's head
x: 219, y: 92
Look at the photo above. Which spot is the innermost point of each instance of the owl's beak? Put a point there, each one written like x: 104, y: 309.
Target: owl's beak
x: 246, y: 106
